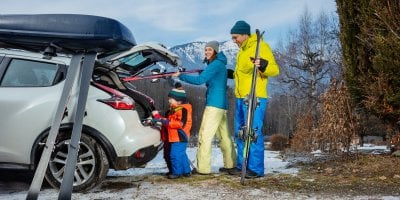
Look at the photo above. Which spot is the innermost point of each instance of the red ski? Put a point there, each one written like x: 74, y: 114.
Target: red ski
x: 161, y: 75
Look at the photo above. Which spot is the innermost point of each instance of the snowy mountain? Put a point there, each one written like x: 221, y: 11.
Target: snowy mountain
x: 192, y: 54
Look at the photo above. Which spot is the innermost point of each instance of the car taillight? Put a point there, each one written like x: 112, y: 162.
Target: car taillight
x: 118, y: 100
x: 119, y: 103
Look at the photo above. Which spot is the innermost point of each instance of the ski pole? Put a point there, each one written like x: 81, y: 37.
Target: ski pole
x: 161, y: 75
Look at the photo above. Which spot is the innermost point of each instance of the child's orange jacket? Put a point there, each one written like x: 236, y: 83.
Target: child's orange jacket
x: 180, y: 124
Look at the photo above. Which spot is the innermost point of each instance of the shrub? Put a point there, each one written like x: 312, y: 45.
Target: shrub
x: 278, y: 142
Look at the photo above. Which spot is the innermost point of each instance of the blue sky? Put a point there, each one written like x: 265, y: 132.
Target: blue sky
x: 175, y: 22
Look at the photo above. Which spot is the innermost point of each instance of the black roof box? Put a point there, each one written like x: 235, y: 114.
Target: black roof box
x: 68, y: 33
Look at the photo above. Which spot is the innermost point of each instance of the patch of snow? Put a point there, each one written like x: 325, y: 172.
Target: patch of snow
x: 373, y: 149
x: 272, y: 163
x: 371, y: 146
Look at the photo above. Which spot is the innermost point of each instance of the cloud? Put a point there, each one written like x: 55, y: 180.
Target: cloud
x: 180, y: 21
x: 181, y: 15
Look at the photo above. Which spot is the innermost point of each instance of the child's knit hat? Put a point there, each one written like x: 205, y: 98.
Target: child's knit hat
x: 177, y: 94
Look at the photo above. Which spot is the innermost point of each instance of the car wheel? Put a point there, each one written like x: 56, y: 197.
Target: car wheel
x: 91, y: 166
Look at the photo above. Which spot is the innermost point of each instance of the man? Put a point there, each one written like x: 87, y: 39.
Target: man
x: 267, y: 67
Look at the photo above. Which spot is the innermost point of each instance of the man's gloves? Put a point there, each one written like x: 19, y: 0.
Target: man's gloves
x: 263, y: 64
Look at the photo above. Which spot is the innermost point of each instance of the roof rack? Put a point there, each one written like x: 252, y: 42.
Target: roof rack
x: 64, y: 33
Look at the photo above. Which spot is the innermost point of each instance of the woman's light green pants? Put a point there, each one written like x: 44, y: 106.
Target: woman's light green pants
x: 214, y: 122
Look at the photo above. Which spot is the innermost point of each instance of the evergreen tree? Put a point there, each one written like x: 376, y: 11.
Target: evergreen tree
x: 370, y: 36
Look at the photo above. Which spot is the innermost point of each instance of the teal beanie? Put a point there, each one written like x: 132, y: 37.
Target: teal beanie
x: 241, y: 27
x: 178, y: 94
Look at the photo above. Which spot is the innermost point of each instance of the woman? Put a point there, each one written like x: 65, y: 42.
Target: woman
x: 214, y: 120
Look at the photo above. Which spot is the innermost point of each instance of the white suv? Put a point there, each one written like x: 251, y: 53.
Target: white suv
x: 113, y: 135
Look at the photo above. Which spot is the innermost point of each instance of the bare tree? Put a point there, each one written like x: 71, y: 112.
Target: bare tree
x: 309, y: 59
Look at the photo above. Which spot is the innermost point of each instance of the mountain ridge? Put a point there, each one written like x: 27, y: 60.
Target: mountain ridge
x: 192, y: 54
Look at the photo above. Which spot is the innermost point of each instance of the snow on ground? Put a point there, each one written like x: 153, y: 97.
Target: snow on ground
x: 272, y: 162
x: 149, y: 189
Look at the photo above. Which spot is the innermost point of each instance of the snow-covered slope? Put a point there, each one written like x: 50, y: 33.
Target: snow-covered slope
x: 192, y: 54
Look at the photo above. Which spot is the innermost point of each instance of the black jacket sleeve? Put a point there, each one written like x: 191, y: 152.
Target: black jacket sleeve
x: 230, y: 73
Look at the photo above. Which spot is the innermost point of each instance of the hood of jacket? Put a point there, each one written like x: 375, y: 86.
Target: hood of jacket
x: 221, y: 57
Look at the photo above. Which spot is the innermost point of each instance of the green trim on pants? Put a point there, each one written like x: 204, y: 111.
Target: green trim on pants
x: 214, y: 122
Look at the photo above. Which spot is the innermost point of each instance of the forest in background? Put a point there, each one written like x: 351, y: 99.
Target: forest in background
x: 338, y: 80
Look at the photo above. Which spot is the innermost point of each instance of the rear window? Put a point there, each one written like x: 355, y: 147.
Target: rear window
x: 28, y: 73
x: 133, y: 60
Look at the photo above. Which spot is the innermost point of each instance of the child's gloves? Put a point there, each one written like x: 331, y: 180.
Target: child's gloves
x: 161, y: 121
x: 147, y: 122
x: 157, y: 119
x: 156, y: 114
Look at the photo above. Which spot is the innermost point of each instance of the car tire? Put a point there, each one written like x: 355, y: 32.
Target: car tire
x: 91, y: 167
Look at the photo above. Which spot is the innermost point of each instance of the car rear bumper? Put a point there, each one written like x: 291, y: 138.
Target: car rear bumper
x: 137, y: 159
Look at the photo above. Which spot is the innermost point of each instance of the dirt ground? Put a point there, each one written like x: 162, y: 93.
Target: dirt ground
x: 357, y: 176
x: 361, y: 177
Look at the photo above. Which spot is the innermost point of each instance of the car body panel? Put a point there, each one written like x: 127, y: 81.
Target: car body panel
x: 21, y: 107
x: 23, y: 118
x: 128, y: 133
x: 31, y: 93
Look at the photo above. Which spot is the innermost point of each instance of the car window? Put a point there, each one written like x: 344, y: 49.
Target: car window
x: 133, y: 60
x: 27, y: 73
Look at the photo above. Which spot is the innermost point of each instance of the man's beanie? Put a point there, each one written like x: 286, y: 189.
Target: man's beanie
x: 177, y: 94
x: 214, y: 45
x: 241, y: 27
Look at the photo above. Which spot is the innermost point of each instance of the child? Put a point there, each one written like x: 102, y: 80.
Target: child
x: 175, y: 133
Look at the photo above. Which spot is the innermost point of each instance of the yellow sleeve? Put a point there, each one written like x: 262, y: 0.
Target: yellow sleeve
x: 266, y: 53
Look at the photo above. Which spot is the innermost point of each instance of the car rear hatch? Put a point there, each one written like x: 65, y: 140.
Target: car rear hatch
x: 139, y: 58
x: 112, y: 69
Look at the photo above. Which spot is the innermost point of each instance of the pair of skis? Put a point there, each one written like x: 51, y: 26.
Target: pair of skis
x: 160, y: 75
x: 81, y: 67
x: 248, y: 133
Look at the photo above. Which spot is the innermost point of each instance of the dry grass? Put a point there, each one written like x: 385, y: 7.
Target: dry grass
x: 278, y: 142
x: 364, y: 175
